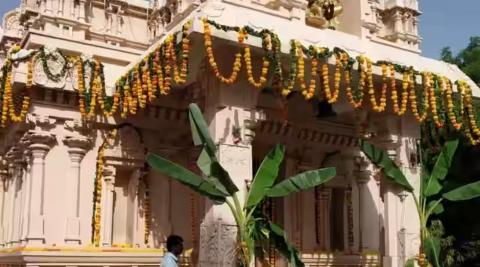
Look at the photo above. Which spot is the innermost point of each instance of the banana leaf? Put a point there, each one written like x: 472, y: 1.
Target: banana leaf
x: 438, y: 209
x: 207, y: 161
x: 185, y: 177
x: 277, y: 235
x: 390, y: 170
x: 199, y: 127
x: 465, y: 192
x: 266, y: 175
x: 431, y: 186
x: 302, y: 181
x: 432, y: 250
x: 216, y: 173
x: 410, y: 263
x: 445, y: 159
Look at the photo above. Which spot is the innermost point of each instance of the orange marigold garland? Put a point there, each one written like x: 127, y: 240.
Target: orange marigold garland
x: 413, y: 101
x: 380, y: 105
x: 402, y: 108
x: 354, y: 98
x: 97, y: 194
x: 211, y: 58
x: 429, y: 85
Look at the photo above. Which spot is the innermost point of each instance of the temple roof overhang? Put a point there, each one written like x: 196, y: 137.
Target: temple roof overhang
x: 230, y: 14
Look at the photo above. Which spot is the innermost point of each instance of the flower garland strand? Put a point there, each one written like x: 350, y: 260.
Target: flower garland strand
x: 98, y: 187
x: 433, y: 99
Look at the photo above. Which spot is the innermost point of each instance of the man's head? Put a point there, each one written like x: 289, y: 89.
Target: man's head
x: 175, y: 244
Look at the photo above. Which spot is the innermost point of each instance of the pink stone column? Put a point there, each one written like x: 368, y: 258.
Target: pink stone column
x: 77, y: 147
x: 81, y: 12
x: 41, y: 143
x: 108, y: 192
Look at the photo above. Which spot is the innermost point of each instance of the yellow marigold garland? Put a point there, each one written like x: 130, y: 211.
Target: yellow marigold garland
x: 211, y: 58
x: 399, y: 109
x: 413, y: 100
x: 97, y: 196
x: 248, y: 65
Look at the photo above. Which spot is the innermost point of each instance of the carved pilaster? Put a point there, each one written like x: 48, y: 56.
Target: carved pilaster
x: 3, y: 199
x: 218, y: 245
x: 109, y: 173
x: 15, y: 163
x: 81, y: 10
x: 77, y: 147
x: 40, y: 144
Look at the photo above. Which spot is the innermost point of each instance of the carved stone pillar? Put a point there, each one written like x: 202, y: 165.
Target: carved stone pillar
x: 15, y: 170
x: 235, y: 155
x: 77, y: 147
x: 81, y: 11
x: 60, y: 6
x: 397, y: 22
x: 292, y: 213
x: 26, y: 197
x: 40, y: 145
x: 369, y: 235
x: 324, y: 228
x: 108, y: 192
x: 49, y: 6
x: 108, y: 19
x: 3, y: 199
x: 72, y: 9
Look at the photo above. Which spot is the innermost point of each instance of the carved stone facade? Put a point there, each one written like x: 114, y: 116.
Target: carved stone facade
x: 49, y: 163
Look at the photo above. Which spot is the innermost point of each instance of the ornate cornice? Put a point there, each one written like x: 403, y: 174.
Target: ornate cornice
x: 278, y: 128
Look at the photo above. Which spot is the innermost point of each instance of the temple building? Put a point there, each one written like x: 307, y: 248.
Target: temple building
x: 89, y: 87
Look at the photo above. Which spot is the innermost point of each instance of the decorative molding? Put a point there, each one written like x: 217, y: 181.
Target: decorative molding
x: 218, y: 244
x: 41, y: 122
x: 306, y: 134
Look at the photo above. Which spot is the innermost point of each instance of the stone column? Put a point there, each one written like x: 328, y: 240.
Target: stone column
x: 19, y: 191
x: 235, y: 154
x: 291, y: 219
x: 26, y: 196
x: 49, y: 7
x: 60, y: 5
x: 77, y: 147
x: 72, y: 9
x: 164, y: 198
x: 108, y: 192
x: 41, y: 143
x: 15, y: 169
x: 81, y: 11
x: 3, y: 188
x: 324, y: 213
x: 369, y: 236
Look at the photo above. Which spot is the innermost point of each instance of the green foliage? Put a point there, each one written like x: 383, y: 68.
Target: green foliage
x: 466, y: 192
x: 427, y: 203
x: 185, y: 177
x: 265, y: 177
x: 302, y: 181
x: 468, y: 59
x: 389, y: 168
x: 253, y: 226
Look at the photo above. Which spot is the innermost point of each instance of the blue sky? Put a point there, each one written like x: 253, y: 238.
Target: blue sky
x: 443, y: 23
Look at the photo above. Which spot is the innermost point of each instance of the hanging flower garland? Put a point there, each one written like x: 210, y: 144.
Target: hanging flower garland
x: 146, y: 204
x: 406, y: 79
x: 98, y: 185
x: 154, y: 76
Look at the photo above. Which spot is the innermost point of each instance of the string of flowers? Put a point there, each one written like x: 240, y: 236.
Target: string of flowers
x: 98, y: 186
x: 434, y: 98
x: 146, y: 205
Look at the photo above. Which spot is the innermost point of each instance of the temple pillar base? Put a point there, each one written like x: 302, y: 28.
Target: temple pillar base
x: 218, y: 245
x: 73, y: 231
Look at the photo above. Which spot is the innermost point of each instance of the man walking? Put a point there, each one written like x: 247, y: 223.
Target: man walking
x: 175, y: 248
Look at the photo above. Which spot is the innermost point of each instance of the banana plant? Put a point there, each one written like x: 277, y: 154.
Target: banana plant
x: 428, y: 201
x: 254, y: 228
